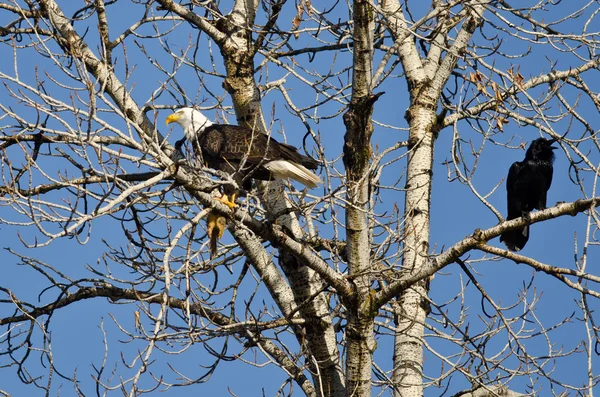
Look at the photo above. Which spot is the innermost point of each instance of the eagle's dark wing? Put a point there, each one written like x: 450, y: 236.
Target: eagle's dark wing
x: 243, y: 152
x: 235, y: 143
x: 290, y: 153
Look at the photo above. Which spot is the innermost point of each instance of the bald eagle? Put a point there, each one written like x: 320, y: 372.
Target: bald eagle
x: 243, y: 153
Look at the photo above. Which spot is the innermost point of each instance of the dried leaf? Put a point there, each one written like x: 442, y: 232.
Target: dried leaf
x: 474, y: 77
x: 497, y: 92
x: 519, y: 79
x: 297, y: 19
x: 307, y: 7
x: 481, y: 88
x: 138, y: 322
x: 500, y: 123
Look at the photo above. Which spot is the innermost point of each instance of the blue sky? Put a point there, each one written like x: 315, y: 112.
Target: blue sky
x: 77, y: 336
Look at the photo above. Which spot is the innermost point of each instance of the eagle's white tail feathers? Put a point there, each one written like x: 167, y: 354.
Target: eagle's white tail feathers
x: 285, y: 169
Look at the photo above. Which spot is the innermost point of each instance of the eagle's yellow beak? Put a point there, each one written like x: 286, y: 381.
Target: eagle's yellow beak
x: 172, y: 118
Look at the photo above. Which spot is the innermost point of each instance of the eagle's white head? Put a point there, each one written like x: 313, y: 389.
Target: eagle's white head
x: 192, y: 121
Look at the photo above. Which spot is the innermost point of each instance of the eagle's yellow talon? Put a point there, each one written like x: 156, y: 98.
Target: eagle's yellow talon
x: 230, y: 203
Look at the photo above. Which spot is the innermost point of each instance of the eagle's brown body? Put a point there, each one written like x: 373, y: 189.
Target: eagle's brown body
x: 245, y: 154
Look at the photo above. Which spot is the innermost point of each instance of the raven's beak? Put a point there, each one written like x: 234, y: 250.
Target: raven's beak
x: 172, y: 118
x: 550, y: 142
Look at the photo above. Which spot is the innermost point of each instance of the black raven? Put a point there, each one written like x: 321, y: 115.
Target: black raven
x: 526, y: 186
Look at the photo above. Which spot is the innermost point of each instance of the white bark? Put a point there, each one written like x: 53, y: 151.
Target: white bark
x: 425, y: 88
x: 408, y: 346
x: 493, y: 391
x: 357, y: 155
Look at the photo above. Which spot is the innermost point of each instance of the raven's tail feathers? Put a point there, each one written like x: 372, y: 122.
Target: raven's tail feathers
x: 516, y: 239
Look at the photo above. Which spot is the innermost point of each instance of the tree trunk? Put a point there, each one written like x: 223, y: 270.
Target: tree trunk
x: 357, y: 154
x: 410, y: 319
x: 319, y: 336
x: 426, y: 80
